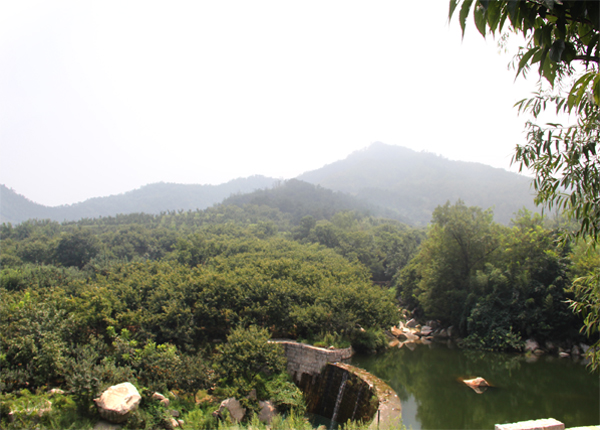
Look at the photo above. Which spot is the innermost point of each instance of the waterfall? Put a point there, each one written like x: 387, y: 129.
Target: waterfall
x: 360, y: 390
x: 338, y: 400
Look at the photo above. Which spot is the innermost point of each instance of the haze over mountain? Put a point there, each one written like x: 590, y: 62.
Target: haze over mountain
x: 384, y: 180
x: 414, y: 183
x: 150, y: 199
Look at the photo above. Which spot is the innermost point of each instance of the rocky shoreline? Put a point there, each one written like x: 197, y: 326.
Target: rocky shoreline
x: 411, y: 333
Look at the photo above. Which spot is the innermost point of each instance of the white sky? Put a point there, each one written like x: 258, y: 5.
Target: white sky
x: 101, y: 97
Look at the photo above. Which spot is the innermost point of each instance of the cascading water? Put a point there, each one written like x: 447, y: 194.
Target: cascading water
x: 360, y: 390
x: 338, y: 400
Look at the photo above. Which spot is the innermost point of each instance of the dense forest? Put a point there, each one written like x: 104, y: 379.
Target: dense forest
x: 185, y: 301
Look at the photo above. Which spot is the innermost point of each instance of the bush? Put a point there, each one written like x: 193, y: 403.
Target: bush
x: 247, y: 359
x: 369, y: 341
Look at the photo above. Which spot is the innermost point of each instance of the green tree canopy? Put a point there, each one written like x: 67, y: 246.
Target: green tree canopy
x: 561, y: 39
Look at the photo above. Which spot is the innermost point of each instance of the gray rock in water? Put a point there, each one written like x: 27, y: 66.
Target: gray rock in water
x: 426, y: 330
x: 412, y: 323
x: 117, y: 402
x: 443, y: 333
x: 531, y: 345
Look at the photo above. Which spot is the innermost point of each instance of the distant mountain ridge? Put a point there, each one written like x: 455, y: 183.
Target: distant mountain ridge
x: 415, y: 183
x: 385, y: 180
x: 150, y: 199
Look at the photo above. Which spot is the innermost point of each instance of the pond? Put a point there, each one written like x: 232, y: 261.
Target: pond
x: 427, y: 382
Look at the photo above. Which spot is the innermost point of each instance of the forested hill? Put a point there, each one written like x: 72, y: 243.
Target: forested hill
x: 299, y: 199
x: 414, y: 183
x: 150, y: 199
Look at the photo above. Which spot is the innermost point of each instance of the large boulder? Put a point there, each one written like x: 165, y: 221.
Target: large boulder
x: 234, y: 407
x: 117, y: 402
x: 267, y: 411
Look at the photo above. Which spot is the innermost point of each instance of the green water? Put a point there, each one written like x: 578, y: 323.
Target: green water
x: 426, y: 381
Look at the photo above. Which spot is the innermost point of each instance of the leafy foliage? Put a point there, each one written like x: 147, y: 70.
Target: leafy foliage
x: 562, y: 38
x: 497, y: 285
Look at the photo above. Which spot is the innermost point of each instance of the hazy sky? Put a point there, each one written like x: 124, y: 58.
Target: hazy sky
x: 101, y: 97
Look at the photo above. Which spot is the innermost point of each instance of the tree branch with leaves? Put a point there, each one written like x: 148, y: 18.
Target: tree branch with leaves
x: 561, y: 39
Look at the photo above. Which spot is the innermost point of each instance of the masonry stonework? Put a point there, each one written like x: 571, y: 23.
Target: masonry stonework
x: 310, y: 360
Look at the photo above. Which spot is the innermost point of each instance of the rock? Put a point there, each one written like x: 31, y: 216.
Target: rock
x: 181, y: 423
x: 397, y: 331
x: 479, y: 385
x: 476, y: 382
x: 450, y: 330
x: 531, y: 345
x: 433, y: 324
x: 174, y: 413
x: 412, y: 323
x: 575, y: 351
x: 409, y: 335
x: 550, y: 346
x: 410, y: 345
x: 532, y: 358
x: 105, y: 425
x: 252, y: 394
x: 56, y: 391
x: 563, y: 354
x: 236, y: 412
x: 426, y: 330
x: 539, y: 352
x: 117, y: 402
x: 394, y: 343
x: 584, y: 348
x: 443, y: 333
x: 161, y: 398
x: 268, y: 411
x: 173, y: 422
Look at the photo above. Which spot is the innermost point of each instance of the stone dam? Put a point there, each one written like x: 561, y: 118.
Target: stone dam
x: 338, y: 391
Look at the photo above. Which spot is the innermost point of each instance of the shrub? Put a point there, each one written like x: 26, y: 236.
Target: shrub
x: 369, y: 341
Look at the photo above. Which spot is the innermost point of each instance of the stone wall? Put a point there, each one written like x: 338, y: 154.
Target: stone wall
x: 339, y: 391
x: 309, y: 360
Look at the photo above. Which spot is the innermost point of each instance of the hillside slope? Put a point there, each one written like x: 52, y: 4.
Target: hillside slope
x: 414, y: 183
x: 299, y: 198
x: 150, y: 199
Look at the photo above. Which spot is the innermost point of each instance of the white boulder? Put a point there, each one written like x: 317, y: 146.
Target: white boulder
x: 116, y: 403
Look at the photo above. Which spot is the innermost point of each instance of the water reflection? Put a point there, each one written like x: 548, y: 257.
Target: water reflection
x: 427, y: 381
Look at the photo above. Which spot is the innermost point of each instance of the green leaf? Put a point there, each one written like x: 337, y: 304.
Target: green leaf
x: 525, y: 59
x: 453, y: 4
x: 493, y: 14
x: 556, y: 50
x: 464, y: 13
x: 479, y: 16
